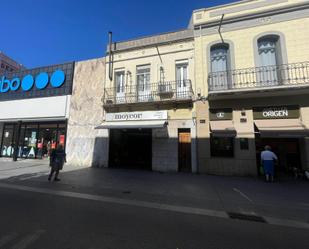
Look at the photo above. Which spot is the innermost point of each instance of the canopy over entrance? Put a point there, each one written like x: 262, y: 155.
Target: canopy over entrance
x: 281, y: 128
x: 223, y: 128
x: 149, y: 124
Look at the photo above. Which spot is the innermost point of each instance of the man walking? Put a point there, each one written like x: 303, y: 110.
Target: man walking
x: 268, y: 159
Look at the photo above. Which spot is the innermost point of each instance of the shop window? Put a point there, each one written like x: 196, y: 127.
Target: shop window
x: 244, y: 143
x: 222, y: 146
x: 7, y: 149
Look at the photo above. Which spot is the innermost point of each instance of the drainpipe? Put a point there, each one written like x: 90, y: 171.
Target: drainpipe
x: 110, y: 42
x: 219, y: 30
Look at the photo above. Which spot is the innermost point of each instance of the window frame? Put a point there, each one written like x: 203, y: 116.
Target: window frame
x: 222, y: 153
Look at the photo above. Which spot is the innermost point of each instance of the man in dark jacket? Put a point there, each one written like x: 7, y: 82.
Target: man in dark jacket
x: 57, y: 159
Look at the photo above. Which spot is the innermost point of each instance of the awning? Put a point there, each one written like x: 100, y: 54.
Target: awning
x: 281, y: 127
x: 222, y: 128
x: 134, y: 124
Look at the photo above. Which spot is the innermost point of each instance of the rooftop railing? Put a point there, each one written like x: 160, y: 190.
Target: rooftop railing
x: 149, y: 92
x: 286, y: 75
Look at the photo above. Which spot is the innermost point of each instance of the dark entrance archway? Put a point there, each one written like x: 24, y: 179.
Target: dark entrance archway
x: 130, y: 148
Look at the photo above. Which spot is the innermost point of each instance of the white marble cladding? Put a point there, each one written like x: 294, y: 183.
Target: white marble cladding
x: 87, y: 146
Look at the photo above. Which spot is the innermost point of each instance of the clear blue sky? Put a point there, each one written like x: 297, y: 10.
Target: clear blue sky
x: 44, y: 32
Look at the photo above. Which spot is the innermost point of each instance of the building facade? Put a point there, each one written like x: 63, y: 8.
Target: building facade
x: 252, y: 66
x: 205, y: 99
x: 44, y: 107
x: 149, y: 103
x: 7, y: 64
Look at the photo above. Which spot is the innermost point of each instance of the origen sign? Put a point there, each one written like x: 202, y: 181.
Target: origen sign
x: 276, y: 112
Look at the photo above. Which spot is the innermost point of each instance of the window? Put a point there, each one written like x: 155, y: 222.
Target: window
x: 119, y: 79
x: 220, y: 65
x: 182, y: 79
x: 120, y: 86
x: 244, y: 143
x: 143, y: 82
x: 222, y: 146
x: 268, y: 53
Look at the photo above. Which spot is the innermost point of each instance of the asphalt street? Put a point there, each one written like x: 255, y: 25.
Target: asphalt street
x: 34, y: 220
x: 108, y: 208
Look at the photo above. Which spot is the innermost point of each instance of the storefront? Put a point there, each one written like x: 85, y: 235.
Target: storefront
x: 34, y: 139
x: 281, y: 128
x: 239, y: 132
x: 150, y: 140
x: 34, y: 109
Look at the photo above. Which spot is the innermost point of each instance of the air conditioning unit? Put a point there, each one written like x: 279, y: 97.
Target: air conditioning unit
x: 164, y: 89
x: 109, y: 101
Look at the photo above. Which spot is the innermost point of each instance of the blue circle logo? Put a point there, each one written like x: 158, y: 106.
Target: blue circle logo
x: 27, y: 82
x: 57, y: 79
x: 15, y: 84
x: 41, y: 80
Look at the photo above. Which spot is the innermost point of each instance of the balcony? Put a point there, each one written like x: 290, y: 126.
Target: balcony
x: 160, y: 92
x: 262, y: 79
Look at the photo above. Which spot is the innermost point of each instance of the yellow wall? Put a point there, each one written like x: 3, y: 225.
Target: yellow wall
x: 170, y: 54
x: 296, y: 45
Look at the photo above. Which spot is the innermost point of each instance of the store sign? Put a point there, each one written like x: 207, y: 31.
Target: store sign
x: 221, y: 114
x: 131, y: 116
x: 276, y: 112
x: 26, y: 83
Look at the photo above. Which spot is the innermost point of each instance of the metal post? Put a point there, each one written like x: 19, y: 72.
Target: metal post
x: 15, y: 154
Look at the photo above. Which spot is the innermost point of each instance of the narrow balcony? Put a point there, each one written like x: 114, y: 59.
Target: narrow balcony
x: 160, y: 92
x: 261, y: 79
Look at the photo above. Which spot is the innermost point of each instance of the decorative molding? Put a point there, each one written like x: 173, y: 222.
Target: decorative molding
x: 250, y: 6
x: 253, y: 21
x: 154, y: 40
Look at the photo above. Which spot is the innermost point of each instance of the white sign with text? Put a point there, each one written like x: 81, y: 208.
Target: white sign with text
x: 134, y: 116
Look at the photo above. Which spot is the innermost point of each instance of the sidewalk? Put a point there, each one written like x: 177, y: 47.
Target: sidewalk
x: 287, y: 199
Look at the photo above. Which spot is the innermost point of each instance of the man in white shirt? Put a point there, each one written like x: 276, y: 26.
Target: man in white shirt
x: 267, y: 159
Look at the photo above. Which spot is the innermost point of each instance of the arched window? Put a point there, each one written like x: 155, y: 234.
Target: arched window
x: 220, y: 66
x: 219, y: 56
x: 269, y: 59
x: 268, y: 50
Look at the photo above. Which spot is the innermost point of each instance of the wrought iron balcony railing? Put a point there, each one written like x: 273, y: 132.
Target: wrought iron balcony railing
x: 149, y: 92
x: 287, y: 75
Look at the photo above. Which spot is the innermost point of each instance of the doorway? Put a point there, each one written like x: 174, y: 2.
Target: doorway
x: 287, y: 151
x: 130, y: 148
x: 184, y: 150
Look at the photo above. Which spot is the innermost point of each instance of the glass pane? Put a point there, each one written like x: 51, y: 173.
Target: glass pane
x: 147, y: 82
x: 140, y: 82
x: 30, y: 141
x: 61, y: 137
x: 7, y: 142
x: 47, y: 139
x: 119, y: 82
x: 21, y: 140
x: 219, y: 59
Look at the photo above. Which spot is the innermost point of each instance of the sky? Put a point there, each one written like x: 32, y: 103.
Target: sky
x: 45, y: 32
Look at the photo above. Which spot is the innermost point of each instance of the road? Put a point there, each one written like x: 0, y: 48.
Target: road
x: 114, y: 209
x: 50, y: 220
